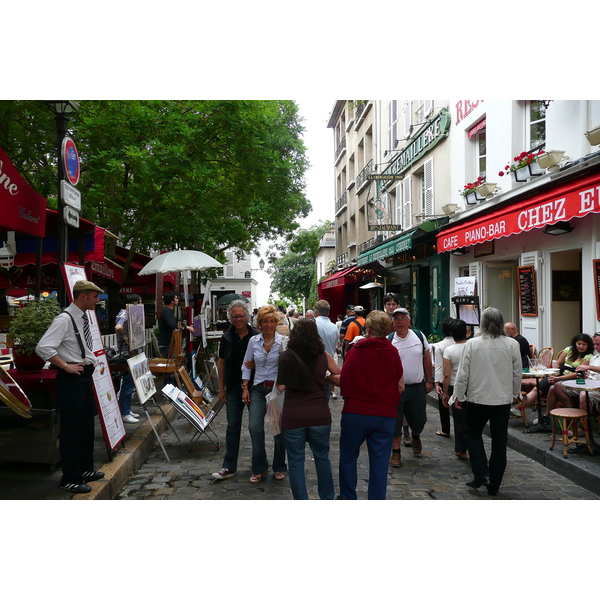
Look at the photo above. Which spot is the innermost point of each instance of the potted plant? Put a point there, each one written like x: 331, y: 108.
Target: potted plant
x: 469, y: 192
x: 27, y: 328
x: 524, y: 167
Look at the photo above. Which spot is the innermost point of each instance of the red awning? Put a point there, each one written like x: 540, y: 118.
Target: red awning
x: 576, y: 198
x: 23, y: 209
x: 476, y: 128
x: 337, y: 279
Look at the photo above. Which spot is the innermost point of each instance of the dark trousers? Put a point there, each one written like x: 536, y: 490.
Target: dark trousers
x: 413, y: 406
x: 476, y: 416
x: 235, y: 412
x: 458, y: 418
x: 77, y: 408
x: 444, y: 416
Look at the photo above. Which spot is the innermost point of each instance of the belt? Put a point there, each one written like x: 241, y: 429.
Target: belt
x: 266, y: 383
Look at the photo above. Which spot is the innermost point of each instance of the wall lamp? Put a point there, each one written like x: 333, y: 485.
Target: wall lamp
x: 459, y: 251
x: 558, y: 228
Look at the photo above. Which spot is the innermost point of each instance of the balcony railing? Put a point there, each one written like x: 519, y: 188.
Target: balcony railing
x: 341, y: 147
x: 341, y: 260
x: 360, y: 107
x: 342, y: 202
x: 364, y: 174
x: 365, y: 246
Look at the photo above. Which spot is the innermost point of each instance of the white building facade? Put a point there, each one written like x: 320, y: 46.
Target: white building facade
x: 532, y: 244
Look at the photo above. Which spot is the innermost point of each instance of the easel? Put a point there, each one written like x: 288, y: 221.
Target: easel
x: 139, y: 367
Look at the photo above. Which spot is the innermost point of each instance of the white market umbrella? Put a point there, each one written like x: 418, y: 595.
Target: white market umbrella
x: 180, y: 260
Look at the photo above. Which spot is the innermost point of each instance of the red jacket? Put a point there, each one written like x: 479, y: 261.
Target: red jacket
x: 369, y: 379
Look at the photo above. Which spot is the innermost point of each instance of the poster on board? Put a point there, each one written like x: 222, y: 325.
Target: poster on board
x: 107, y: 403
x: 136, y: 326
x: 142, y: 377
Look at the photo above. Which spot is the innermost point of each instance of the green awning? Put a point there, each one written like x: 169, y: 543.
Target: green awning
x: 386, y: 250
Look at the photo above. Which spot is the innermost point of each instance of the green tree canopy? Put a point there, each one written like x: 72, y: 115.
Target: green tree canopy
x: 207, y: 174
x: 293, y: 274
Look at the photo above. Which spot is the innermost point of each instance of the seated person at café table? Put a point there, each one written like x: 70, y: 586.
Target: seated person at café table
x: 565, y: 395
x: 577, y: 354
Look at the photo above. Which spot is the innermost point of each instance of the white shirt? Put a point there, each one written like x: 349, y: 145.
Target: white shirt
x: 329, y: 333
x: 453, y: 353
x: 410, y: 350
x: 60, y: 338
x: 595, y: 362
x: 265, y: 363
x: 439, y: 357
x: 490, y: 371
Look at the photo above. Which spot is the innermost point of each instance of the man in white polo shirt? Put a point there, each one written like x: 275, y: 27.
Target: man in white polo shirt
x: 415, y: 355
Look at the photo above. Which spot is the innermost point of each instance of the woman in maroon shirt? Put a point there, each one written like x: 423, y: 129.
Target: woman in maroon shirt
x: 371, y: 383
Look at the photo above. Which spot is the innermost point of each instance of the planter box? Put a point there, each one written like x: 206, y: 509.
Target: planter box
x: 473, y: 198
x: 527, y: 172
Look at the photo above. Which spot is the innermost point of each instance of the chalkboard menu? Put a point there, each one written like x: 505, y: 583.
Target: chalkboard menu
x: 527, y: 291
x: 597, y: 287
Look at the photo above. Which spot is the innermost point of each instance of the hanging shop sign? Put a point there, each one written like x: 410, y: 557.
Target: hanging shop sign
x: 423, y: 142
x: 574, y: 199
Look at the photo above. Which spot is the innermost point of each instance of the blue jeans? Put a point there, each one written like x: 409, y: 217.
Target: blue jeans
x: 125, y: 393
x: 295, y: 445
x: 379, y: 433
x: 256, y: 427
x: 235, y: 412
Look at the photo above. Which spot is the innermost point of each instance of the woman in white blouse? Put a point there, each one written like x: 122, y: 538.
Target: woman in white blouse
x: 263, y: 352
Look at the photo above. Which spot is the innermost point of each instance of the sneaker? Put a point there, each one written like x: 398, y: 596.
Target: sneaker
x: 92, y: 476
x: 134, y: 415
x: 515, y: 411
x: 396, y: 460
x: 416, y: 445
x: 223, y: 474
x: 130, y: 419
x: 76, y: 488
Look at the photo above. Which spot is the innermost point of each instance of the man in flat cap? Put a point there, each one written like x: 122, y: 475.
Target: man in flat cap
x: 67, y: 345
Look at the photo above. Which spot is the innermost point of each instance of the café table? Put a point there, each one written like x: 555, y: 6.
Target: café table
x: 539, y: 427
x: 588, y: 385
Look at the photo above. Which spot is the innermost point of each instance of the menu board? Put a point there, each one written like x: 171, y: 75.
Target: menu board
x: 527, y: 291
x: 597, y: 287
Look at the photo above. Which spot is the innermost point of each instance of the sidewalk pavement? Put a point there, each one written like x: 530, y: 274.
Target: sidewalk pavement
x: 140, y: 450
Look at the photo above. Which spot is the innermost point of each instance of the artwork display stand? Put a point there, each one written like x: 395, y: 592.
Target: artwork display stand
x: 194, y: 414
x: 143, y: 380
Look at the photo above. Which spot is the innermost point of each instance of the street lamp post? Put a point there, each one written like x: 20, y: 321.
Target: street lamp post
x: 62, y: 109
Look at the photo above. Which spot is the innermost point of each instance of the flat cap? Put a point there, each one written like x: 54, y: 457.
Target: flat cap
x: 86, y: 286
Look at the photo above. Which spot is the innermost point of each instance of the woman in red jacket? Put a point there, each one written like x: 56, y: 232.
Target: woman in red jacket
x: 371, y: 383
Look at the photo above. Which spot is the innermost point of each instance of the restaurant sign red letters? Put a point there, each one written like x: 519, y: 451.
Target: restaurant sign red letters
x: 576, y: 199
x: 23, y: 209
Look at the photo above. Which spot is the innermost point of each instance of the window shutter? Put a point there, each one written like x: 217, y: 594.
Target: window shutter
x: 428, y: 107
x: 476, y: 270
x: 428, y: 198
x: 228, y: 268
x: 407, y: 202
x: 407, y: 118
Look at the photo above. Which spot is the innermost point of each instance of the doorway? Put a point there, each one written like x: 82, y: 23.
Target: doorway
x: 501, y: 289
x: 565, y: 296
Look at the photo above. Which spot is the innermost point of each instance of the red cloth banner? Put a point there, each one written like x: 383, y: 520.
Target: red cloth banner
x: 23, y: 209
x: 577, y: 198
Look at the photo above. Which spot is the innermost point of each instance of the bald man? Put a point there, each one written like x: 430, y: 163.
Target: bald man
x: 511, y: 331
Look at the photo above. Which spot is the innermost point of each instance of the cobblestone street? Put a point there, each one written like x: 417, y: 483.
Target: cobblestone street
x: 436, y: 474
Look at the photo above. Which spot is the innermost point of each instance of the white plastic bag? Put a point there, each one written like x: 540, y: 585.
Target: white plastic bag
x: 275, y: 402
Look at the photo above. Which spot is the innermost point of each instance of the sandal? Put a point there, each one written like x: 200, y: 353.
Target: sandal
x: 279, y: 476
x: 442, y: 434
x: 257, y: 478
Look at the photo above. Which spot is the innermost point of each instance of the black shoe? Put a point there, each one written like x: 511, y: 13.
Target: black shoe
x: 478, y: 482
x: 92, y: 475
x: 492, y: 490
x: 76, y: 488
